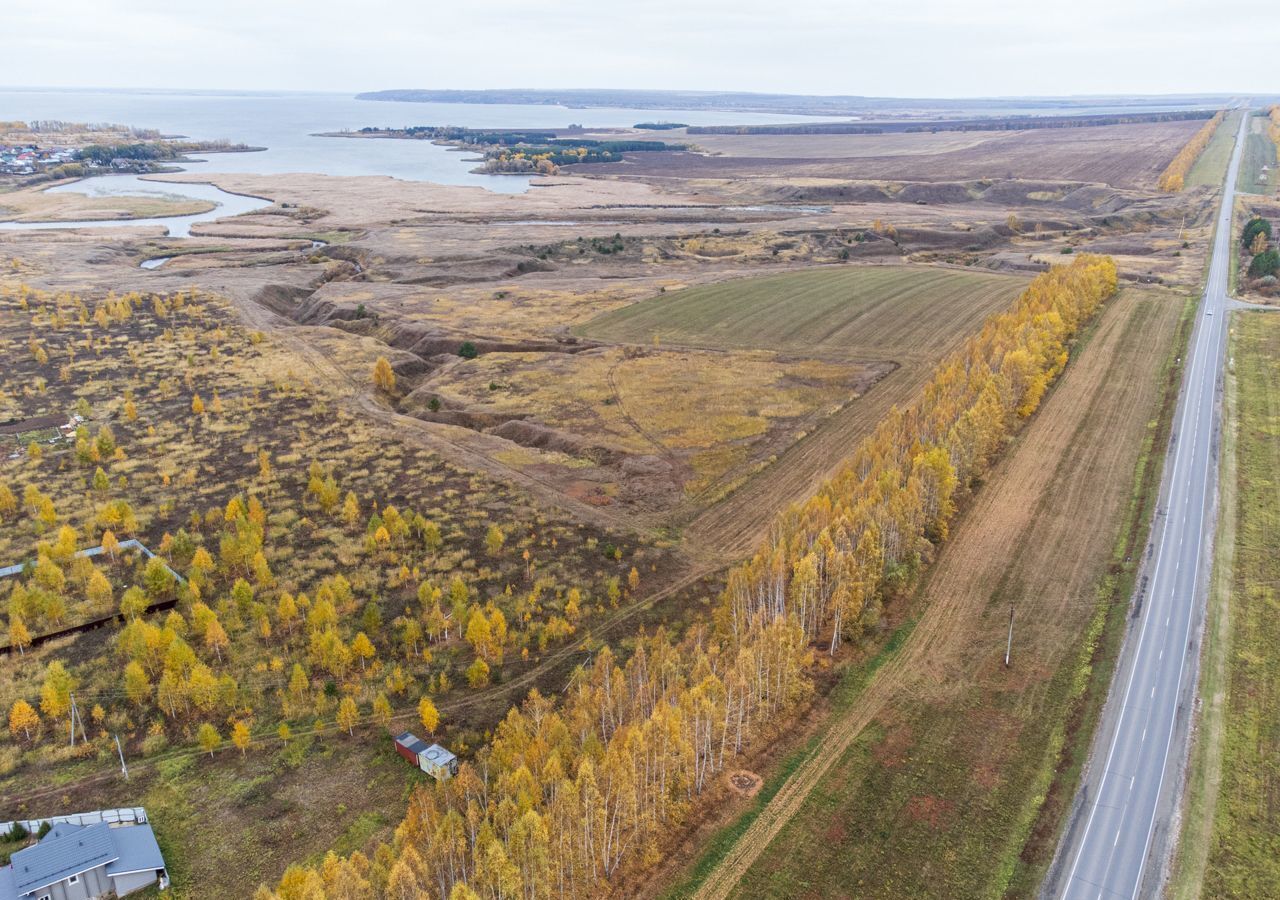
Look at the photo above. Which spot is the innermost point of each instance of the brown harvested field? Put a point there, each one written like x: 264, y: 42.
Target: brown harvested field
x: 973, y: 743
x: 826, y: 146
x: 1123, y: 156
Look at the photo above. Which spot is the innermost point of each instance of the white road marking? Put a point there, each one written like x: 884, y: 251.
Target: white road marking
x: 1206, y: 340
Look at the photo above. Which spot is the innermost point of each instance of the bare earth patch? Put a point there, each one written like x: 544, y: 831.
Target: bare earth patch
x: 744, y: 783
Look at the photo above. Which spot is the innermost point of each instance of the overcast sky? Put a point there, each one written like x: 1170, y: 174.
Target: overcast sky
x: 919, y: 48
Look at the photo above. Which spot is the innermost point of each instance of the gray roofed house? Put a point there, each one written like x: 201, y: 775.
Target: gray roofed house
x: 82, y: 862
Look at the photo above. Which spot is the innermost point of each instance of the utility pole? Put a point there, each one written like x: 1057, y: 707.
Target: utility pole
x: 76, y: 717
x: 1008, y: 648
x: 123, y: 768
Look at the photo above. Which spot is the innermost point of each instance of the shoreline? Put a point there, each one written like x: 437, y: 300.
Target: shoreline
x: 97, y: 221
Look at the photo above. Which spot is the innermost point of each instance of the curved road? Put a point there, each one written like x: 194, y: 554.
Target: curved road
x: 1122, y: 829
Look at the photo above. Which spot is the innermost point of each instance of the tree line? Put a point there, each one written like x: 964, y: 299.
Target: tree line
x: 568, y: 793
x: 1174, y: 176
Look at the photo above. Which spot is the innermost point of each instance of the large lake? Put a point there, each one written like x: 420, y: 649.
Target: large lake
x: 285, y: 123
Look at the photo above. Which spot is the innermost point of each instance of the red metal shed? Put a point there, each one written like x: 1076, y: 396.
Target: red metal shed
x: 410, y: 747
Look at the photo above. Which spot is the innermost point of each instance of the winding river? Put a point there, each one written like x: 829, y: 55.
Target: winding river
x: 226, y: 204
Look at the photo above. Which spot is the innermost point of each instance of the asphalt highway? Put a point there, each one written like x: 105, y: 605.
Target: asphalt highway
x: 1123, y: 829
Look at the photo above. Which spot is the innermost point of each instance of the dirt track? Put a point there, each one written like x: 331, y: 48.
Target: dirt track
x: 736, y: 524
x: 1057, y: 497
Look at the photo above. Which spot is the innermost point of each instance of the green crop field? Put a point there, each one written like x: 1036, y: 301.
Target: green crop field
x: 862, y: 312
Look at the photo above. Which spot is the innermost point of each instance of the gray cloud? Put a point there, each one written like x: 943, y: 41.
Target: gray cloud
x: 924, y: 48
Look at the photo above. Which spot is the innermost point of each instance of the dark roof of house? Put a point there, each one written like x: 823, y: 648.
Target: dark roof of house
x: 71, y: 849
x: 33, y: 424
x: 65, y: 851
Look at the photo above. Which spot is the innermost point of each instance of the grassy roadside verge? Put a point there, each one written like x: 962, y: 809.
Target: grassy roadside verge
x: 1232, y: 836
x: 1233, y: 267
x: 1259, y: 151
x: 1205, y: 766
x: 1210, y: 170
x: 1101, y: 647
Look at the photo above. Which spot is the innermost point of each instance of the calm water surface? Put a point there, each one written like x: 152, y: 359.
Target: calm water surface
x: 287, y: 124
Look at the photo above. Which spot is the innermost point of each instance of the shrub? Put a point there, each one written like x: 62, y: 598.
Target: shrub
x: 468, y: 350
x: 1252, y: 228
x: 1265, y: 263
x: 154, y: 743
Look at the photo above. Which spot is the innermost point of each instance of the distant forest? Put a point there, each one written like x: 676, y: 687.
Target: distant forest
x: 793, y: 104
x: 514, y: 152
x: 1009, y: 123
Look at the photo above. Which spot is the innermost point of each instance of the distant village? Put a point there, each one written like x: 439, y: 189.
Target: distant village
x: 33, y: 160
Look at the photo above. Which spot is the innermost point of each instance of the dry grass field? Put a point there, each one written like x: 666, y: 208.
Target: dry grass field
x: 513, y: 311
x: 38, y: 205
x: 703, y: 415
x: 933, y: 774
x: 692, y: 397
